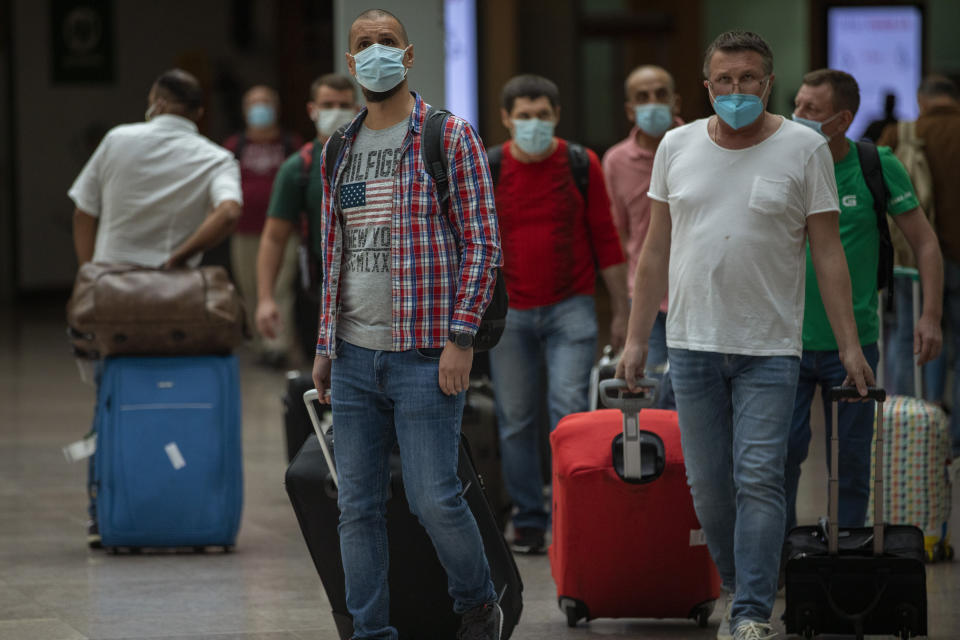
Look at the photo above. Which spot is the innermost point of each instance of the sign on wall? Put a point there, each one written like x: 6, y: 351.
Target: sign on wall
x: 82, y: 41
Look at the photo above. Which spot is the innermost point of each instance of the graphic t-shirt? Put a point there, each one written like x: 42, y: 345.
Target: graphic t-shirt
x: 366, y: 203
x: 861, y: 245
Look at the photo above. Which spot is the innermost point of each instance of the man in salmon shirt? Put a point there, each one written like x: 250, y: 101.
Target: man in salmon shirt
x: 554, y: 240
x: 652, y: 105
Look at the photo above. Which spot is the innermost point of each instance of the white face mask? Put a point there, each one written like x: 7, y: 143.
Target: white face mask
x: 329, y: 120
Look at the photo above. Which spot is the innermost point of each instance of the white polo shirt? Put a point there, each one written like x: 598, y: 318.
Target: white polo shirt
x: 738, y: 236
x: 151, y: 185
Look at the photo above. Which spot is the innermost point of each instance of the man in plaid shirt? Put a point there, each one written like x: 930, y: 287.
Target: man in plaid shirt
x: 405, y: 286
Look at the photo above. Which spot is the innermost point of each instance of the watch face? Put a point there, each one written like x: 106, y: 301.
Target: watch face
x: 463, y: 340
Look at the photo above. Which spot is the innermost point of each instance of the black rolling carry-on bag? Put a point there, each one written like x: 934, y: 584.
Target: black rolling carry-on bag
x: 420, y: 608
x: 296, y: 420
x: 865, y: 580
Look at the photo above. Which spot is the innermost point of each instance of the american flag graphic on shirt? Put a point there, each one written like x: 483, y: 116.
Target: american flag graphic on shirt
x: 367, y: 206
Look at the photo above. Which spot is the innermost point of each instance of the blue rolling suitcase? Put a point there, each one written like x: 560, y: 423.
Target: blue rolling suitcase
x: 168, y: 464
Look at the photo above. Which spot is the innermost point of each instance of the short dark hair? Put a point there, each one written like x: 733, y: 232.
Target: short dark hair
x: 846, y: 91
x: 733, y: 41
x: 380, y: 14
x: 529, y: 86
x: 937, y: 85
x: 335, y: 81
x: 179, y: 87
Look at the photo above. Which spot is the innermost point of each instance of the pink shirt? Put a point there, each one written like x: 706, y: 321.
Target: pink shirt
x: 627, y: 168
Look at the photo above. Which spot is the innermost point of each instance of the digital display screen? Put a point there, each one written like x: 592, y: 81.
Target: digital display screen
x: 882, y: 47
x: 460, y: 72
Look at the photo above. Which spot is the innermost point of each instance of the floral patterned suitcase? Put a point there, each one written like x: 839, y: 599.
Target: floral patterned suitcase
x: 916, y: 479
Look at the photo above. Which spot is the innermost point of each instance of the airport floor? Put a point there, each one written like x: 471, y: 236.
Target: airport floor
x: 53, y: 588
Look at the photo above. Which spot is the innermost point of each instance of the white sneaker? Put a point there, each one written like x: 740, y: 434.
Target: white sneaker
x: 751, y: 630
x: 724, y: 603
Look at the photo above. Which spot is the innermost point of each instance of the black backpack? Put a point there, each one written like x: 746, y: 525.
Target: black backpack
x: 435, y: 159
x: 873, y: 175
x: 577, y: 155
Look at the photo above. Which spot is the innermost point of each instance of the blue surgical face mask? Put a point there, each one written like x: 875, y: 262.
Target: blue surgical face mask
x: 261, y: 115
x: 813, y: 124
x: 739, y: 110
x: 380, y: 68
x: 654, y: 118
x: 533, y: 135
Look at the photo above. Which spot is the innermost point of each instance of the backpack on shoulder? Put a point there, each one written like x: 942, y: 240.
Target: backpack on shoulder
x: 873, y: 175
x: 911, y: 154
x: 494, y: 319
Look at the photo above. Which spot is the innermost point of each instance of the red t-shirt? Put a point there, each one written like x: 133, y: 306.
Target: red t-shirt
x: 553, y: 242
x: 259, y: 163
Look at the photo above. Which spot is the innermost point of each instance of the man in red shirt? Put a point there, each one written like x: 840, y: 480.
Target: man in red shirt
x: 554, y: 239
x: 261, y: 149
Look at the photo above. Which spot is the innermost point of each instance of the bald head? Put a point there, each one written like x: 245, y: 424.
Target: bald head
x: 260, y: 93
x: 647, y: 74
x: 370, y: 18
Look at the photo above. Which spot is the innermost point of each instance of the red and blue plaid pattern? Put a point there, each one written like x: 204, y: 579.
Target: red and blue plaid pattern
x: 442, y: 266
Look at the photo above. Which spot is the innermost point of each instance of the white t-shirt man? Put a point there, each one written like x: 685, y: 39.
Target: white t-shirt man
x: 151, y: 185
x: 737, y: 250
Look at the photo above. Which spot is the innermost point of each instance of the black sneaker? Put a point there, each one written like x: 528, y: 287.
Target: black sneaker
x: 528, y: 540
x: 481, y: 623
x: 93, y: 535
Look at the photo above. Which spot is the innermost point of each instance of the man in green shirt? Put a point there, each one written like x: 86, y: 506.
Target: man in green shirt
x: 827, y: 102
x: 297, y: 190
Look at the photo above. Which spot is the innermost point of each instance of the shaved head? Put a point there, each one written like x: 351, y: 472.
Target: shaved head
x: 377, y: 15
x: 648, y: 71
x: 260, y: 93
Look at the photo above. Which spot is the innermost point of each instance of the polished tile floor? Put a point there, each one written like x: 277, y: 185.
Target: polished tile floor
x: 53, y: 588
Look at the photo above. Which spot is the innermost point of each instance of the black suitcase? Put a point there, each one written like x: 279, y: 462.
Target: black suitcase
x: 479, y: 426
x: 419, y: 605
x: 866, y: 580
x: 296, y: 422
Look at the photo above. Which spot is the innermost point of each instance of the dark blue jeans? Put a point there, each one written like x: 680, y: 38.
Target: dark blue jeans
x: 382, y: 398
x: 823, y: 369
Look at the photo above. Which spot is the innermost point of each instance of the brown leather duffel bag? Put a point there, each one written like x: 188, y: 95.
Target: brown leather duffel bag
x: 123, y: 309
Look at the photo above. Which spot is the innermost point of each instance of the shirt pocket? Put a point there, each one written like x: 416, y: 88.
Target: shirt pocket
x: 424, y: 195
x: 769, y: 197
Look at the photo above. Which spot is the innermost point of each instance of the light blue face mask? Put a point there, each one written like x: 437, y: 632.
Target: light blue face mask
x: 739, y: 110
x: 533, y: 135
x: 813, y: 124
x: 380, y: 68
x: 261, y: 115
x: 654, y: 118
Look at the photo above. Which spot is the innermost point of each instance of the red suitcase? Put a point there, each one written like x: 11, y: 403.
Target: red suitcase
x: 626, y: 540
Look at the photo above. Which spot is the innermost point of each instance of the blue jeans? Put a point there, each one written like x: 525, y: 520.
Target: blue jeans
x: 951, y: 308
x: 899, y: 344
x: 382, y: 398
x: 565, y: 334
x: 734, y: 413
x: 657, y: 355
x: 824, y: 368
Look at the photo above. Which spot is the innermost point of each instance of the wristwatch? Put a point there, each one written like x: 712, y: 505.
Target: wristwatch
x: 462, y: 340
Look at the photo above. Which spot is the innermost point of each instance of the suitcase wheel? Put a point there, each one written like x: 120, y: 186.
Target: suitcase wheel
x: 701, y: 614
x: 574, y: 610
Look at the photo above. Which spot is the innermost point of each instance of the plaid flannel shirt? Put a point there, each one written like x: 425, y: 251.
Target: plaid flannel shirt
x: 442, y: 267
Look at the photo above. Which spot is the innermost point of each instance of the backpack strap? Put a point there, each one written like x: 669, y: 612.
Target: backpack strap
x: 579, y: 167
x: 495, y: 159
x: 306, y: 162
x: 334, y: 146
x: 241, y: 143
x: 434, y: 154
x: 873, y: 176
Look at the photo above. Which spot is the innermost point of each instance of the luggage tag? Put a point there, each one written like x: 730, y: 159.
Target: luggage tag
x: 81, y: 449
x: 176, y: 458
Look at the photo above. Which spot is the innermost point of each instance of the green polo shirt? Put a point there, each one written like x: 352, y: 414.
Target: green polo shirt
x: 861, y: 244
x: 295, y: 192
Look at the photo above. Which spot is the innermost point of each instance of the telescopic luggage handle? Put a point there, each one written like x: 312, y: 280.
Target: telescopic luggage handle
x: 850, y: 393
x: 615, y: 394
x: 321, y: 427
